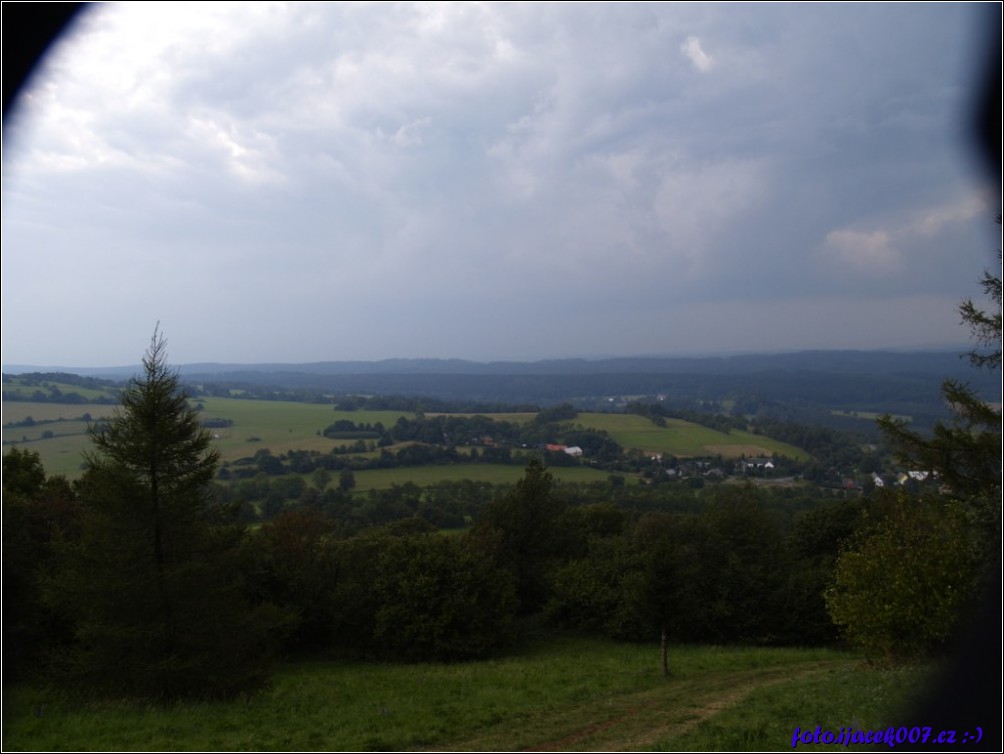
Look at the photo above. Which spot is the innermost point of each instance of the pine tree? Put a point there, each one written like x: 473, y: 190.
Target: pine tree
x: 901, y: 586
x: 152, y: 586
x: 966, y: 454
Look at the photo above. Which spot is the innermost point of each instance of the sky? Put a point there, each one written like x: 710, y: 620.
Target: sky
x: 301, y: 182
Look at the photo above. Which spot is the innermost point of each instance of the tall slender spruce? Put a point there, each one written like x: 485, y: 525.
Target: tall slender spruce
x: 153, y: 586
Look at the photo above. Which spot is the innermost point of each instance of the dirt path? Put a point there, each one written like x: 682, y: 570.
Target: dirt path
x: 635, y: 722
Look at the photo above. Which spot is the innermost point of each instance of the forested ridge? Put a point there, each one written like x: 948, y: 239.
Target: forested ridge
x: 143, y: 579
x: 806, y: 386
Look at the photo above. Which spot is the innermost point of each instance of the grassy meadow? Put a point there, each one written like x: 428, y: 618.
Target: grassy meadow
x: 559, y: 694
x: 280, y: 426
x: 59, y: 436
x: 870, y: 416
x: 513, y: 417
x: 26, y: 391
x: 685, y: 439
x: 424, y: 476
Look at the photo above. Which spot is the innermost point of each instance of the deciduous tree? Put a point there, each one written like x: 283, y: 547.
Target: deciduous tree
x: 531, y: 538
x: 37, y: 511
x: 440, y: 599
x: 900, y: 587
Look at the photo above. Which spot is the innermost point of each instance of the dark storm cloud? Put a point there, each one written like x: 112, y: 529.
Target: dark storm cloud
x: 312, y: 181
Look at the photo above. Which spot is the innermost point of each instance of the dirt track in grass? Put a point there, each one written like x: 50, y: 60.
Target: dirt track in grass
x: 636, y: 722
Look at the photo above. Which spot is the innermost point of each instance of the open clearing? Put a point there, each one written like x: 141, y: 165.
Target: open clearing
x: 637, y: 722
x: 557, y: 694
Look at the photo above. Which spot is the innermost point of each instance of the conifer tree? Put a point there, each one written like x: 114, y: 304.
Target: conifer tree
x: 152, y: 585
x: 966, y: 454
x: 902, y: 584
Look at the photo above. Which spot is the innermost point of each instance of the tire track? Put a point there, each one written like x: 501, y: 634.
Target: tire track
x: 643, y: 725
x: 635, y: 722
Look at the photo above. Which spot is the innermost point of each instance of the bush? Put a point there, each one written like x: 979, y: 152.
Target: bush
x: 439, y: 599
x: 902, y: 583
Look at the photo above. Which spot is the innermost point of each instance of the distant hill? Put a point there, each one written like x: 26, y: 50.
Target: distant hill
x: 943, y: 363
x: 835, y: 388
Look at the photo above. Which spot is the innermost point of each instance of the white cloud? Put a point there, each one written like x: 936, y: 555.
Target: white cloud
x: 410, y: 134
x: 691, y: 48
x: 935, y: 219
x: 881, y: 251
x: 247, y: 153
x: 863, y: 252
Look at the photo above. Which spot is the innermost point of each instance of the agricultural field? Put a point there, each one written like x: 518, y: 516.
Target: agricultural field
x: 512, y: 417
x: 27, y: 390
x: 685, y: 439
x: 18, y: 411
x: 558, y: 694
x: 56, y: 431
x: 280, y: 426
x: 59, y: 434
x: 424, y: 476
x: 870, y: 416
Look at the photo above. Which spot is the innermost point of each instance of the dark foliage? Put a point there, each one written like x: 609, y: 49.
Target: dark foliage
x: 531, y: 538
x: 37, y: 512
x: 152, y: 586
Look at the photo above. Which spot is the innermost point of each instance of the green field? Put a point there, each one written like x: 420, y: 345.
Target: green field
x: 870, y: 416
x: 681, y: 438
x: 282, y: 426
x: 59, y: 436
x: 424, y: 476
x: 560, y: 694
x: 26, y: 391
x: 16, y: 411
x: 512, y: 417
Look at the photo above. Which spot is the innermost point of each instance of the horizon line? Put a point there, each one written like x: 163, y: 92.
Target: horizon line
x: 695, y: 355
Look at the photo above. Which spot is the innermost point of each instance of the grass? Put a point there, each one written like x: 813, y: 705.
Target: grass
x: 847, y: 696
x: 60, y: 452
x: 283, y: 426
x: 561, y: 694
x: 515, y: 417
x: 16, y: 411
x: 423, y: 476
x: 280, y: 426
x: 682, y: 438
x: 21, y: 389
x: 870, y: 416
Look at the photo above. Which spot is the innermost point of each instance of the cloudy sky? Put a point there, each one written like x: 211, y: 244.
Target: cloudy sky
x: 326, y: 181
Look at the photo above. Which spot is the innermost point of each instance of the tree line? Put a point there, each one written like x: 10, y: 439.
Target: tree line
x: 138, y: 580
x: 724, y: 567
